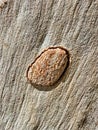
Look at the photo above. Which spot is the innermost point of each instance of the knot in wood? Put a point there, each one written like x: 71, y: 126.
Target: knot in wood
x: 48, y: 67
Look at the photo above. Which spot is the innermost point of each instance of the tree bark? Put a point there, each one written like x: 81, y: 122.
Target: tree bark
x: 27, y: 27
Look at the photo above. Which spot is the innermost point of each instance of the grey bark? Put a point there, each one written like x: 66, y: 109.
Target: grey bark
x: 27, y: 27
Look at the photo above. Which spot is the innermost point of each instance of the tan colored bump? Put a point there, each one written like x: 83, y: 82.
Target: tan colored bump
x: 48, y: 67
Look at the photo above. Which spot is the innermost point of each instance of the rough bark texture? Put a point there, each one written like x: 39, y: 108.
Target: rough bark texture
x: 26, y: 28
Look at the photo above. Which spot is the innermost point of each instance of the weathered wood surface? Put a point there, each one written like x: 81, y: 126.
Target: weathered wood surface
x: 26, y: 28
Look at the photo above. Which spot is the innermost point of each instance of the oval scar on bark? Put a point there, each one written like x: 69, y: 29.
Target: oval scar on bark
x: 48, y: 67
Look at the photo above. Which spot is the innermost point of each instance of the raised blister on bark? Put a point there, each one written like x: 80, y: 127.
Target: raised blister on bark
x: 48, y: 67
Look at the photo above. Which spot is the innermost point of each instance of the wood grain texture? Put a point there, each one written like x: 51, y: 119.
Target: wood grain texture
x: 26, y: 28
